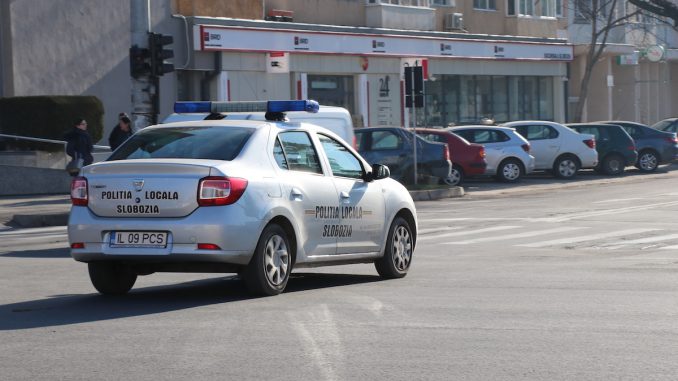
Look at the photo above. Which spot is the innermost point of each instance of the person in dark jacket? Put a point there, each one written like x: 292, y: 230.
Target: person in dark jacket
x: 79, y: 142
x: 120, y: 133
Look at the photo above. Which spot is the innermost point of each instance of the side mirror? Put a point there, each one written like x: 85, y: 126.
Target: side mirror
x: 380, y: 171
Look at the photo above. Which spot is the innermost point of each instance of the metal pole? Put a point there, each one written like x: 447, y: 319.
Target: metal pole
x: 142, y: 87
x: 413, y: 123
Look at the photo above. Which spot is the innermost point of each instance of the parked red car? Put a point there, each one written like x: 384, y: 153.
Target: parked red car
x: 468, y: 159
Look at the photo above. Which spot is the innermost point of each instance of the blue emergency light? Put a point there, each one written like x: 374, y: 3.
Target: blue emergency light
x: 253, y: 106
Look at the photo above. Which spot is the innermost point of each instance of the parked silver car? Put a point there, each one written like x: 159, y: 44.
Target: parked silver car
x: 506, y: 152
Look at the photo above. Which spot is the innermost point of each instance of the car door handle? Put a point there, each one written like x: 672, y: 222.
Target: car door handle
x: 296, y: 194
x: 345, y: 197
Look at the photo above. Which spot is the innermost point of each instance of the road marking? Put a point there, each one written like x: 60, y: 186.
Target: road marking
x: 621, y: 244
x: 24, y: 232
x: 590, y: 237
x: 607, y: 212
x: 440, y: 229
x: 618, y: 200
x: 514, y: 236
x: 467, y: 232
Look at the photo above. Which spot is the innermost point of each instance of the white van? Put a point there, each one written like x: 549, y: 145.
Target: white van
x: 335, y: 119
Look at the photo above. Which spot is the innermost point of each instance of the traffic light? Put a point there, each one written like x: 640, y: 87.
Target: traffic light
x: 139, y: 61
x: 156, y: 43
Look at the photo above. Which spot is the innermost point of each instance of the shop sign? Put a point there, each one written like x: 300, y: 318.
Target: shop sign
x: 277, y: 62
x: 628, y: 59
x: 245, y: 39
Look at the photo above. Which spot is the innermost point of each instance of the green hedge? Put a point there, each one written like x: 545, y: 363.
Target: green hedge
x: 47, y: 117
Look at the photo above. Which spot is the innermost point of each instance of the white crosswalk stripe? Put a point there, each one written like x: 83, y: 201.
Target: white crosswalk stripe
x: 585, y: 238
x: 467, y: 232
x: 618, y: 245
x: 514, y: 236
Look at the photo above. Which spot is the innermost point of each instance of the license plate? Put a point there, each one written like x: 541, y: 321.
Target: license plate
x: 139, y: 239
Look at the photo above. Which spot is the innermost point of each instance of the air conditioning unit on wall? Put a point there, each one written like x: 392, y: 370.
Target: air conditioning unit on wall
x: 454, y: 21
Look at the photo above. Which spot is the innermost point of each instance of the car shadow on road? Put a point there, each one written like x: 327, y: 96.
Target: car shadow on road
x: 58, y: 310
x: 47, y: 253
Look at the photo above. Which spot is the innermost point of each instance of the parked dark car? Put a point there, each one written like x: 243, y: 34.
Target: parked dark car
x: 392, y: 146
x: 616, y: 149
x: 667, y: 125
x: 654, y: 147
x: 468, y: 158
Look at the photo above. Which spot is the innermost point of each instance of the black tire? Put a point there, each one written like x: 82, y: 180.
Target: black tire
x: 398, y: 252
x: 509, y: 171
x: 111, y: 278
x: 566, y: 167
x: 648, y: 161
x: 612, y: 165
x: 270, y: 267
x: 456, y: 177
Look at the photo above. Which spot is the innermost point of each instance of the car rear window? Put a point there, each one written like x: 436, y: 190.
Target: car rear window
x: 214, y: 143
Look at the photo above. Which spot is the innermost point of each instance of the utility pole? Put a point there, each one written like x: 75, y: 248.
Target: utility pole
x: 143, y: 86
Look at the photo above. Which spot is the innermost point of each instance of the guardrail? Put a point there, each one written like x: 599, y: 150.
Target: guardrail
x: 43, y: 159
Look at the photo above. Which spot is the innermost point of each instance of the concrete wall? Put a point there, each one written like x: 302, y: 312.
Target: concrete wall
x: 79, y: 47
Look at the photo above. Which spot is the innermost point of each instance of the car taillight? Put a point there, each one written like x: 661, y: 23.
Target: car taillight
x: 591, y: 143
x: 216, y: 190
x: 481, y: 153
x: 446, y: 153
x: 632, y: 147
x: 355, y: 143
x: 526, y: 147
x: 79, y: 191
x: 673, y: 139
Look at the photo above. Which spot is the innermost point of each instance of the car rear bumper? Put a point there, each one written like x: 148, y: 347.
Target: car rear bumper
x: 228, y: 227
x: 442, y: 169
x: 476, y: 168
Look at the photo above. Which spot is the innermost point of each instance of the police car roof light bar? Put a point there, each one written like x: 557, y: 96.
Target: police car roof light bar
x: 192, y: 107
x: 253, y: 106
x: 301, y: 105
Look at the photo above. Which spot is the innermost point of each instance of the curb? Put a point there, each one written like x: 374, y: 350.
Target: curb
x: 436, y: 194
x: 38, y: 220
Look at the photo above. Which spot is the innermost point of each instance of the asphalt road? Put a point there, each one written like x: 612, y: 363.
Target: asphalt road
x: 547, y: 280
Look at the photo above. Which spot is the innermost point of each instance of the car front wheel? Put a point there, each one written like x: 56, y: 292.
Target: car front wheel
x: 110, y: 278
x: 398, y: 253
x: 270, y: 266
x: 648, y: 161
x: 565, y: 167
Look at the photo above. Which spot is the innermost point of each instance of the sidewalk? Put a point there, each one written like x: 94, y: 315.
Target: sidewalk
x: 34, y: 211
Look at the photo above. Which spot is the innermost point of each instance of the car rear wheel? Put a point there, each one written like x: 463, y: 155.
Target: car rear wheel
x: 398, y: 253
x: 509, y: 171
x: 456, y: 176
x: 270, y: 266
x: 111, y: 278
x: 648, y: 161
x: 613, y: 165
x: 565, y: 167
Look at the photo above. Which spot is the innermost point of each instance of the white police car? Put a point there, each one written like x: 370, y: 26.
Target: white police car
x: 254, y: 197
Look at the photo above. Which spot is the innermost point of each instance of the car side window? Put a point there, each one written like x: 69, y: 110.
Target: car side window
x: 537, y: 132
x: 342, y: 161
x: 385, y: 140
x: 297, y: 152
x: 634, y: 132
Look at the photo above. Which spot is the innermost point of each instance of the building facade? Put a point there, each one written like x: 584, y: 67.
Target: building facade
x: 499, y: 59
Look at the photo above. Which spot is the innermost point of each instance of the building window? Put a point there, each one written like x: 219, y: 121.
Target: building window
x: 485, y: 4
x: 407, y: 3
x: 582, y: 11
x: 526, y: 8
x: 443, y: 3
x: 551, y: 8
x: 511, y: 7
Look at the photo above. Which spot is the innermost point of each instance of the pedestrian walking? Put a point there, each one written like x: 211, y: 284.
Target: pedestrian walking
x: 79, y: 147
x: 121, y: 132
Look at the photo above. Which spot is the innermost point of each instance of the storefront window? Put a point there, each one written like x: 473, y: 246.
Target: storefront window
x: 332, y: 90
x: 546, y: 98
x: 462, y: 99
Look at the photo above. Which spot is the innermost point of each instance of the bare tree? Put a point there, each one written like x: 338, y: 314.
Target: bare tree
x: 603, y: 16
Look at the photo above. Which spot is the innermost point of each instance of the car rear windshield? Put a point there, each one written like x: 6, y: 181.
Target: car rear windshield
x: 215, y: 143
